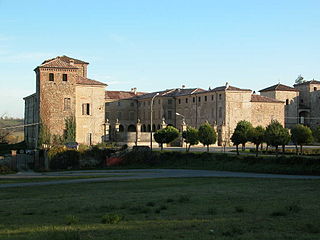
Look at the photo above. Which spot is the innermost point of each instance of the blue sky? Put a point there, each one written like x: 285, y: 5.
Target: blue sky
x: 155, y: 45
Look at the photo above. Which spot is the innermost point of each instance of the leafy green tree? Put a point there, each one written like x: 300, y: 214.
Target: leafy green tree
x: 316, y: 133
x: 207, y: 135
x: 191, y: 137
x: 256, y: 136
x: 276, y: 135
x: 70, y: 130
x: 44, y: 135
x: 301, y: 135
x: 166, y: 135
x: 241, y: 134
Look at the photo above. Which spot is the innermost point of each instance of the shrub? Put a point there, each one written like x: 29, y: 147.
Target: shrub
x: 71, y: 219
x: 166, y: 135
x: 5, y: 170
x: 207, y: 135
x: 60, y: 158
x: 111, y: 218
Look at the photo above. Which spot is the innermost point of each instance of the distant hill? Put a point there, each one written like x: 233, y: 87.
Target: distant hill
x: 10, y: 122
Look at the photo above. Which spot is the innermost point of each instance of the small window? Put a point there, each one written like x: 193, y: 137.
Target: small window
x: 193, y: 99
x: 86, y: 109
x: 287, y: 102
x: 169, y: 101
x: 65, y: 77
x: 67, y: 104
x: 51, y: 77
x: 205, y: 98
x: 179, y: 101
x: 315, y: 89
x: 212, y: 97
x: 132, y: 104
x: 119, y: 103
x: 220, y: 96
x: 199, y: 99
x: 186, y: 100
x: 169, y: 115
x: 301, y: 100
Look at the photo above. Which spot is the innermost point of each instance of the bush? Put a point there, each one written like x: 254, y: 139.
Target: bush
x: 5, y: 170
x: 60, y: 158
x: 111, y: 218
x: 71, y: 219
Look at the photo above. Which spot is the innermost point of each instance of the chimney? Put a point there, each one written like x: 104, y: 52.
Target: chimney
x: 227, y: 85
x: 134, y: 90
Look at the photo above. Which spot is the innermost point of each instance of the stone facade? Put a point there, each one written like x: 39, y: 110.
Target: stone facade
x: 62, y: 91
x: 302, y: 102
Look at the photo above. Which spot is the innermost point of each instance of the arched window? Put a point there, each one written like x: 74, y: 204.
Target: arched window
x: 131, y: 128
x: 149, y: 128
x: 121, y: 128
x: 154, y: 128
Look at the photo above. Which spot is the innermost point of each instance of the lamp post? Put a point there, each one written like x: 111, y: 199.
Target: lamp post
x: 183, y: 124
x: 151, y: 115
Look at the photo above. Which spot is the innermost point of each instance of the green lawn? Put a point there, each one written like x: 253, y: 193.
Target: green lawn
x: 193, y: 208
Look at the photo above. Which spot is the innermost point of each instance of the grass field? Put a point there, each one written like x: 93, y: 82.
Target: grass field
x: 193, y: 208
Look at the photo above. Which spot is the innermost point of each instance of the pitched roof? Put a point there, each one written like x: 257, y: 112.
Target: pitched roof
x: 258, y: 98
x: 66, y: 59
x: 116, y: 95
x: 174, y: 92
x: 86, y: 81
x: 308, y: 82
x: 228, y: 88
x: 57, y: 63
x: 279, y: 87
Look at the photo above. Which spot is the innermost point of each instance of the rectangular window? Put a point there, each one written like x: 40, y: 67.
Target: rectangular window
x: 179, y: 101
x: 51, y: 77
x: 132, y: 104
x: 119, y: 103
x: 86, y: 109
x: 64, y: 77
x: 186, y: 100
x: 169, y: 115
x: 212, y: 97
x: 199, y: 99
x: 193, y: 99
x: 205, y: 98
x: 220, y: 96
x: 67, y: 104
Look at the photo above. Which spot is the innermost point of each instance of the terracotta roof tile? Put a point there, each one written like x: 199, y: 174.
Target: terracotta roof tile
x: 86, y: 81
x: 57, y: 63
x: 279, y: 87
x: 258, y: 98
x: 228, y: 88
x: 116, y: 95
x: 66, y: 59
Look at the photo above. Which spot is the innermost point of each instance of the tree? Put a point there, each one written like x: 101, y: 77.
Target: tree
x: 316, y: 133
x: 70, y: 130
x: 44, y: 135
x: 284, y: 138
x: 207, y: 135
x: 166, y: 135
x: 4, y: 134
x: 191, y: 136
x: 276, y: 135
x: 256, y: 136
x: 301, y: 135
x: 241, y: 134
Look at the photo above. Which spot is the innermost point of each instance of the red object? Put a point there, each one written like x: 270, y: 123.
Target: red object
x: 113, y: 161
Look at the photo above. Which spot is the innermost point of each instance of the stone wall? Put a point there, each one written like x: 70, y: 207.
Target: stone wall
x: 90, y: 128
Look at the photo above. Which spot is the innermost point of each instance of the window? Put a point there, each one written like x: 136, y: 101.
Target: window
x: 186, y: 100
x: 193, y: 99
x: 132, y: 104
x: 86, y: 109
x: 220, y: 112
x: 220, y: 96
x: 119, y: 103
x: 205, y: 98
x: 169, y: 115
x: 179, y: 101
x: 287, y: 101
x: 169, y: 101
x: 199, y: 99
x: 159, y: 101
x: 51, y: 77
x: 301, y: 100
x: 64, y: 77
x: 315, y: 89
x: 212, y: 97
x: 67, y: 104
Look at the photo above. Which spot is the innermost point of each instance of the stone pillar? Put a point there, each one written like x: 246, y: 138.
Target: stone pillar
x: 117, y: 125
x: 138, y: 132
x: 163, y: 124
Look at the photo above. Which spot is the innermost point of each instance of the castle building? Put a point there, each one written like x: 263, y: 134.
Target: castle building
x: 63, y: 91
